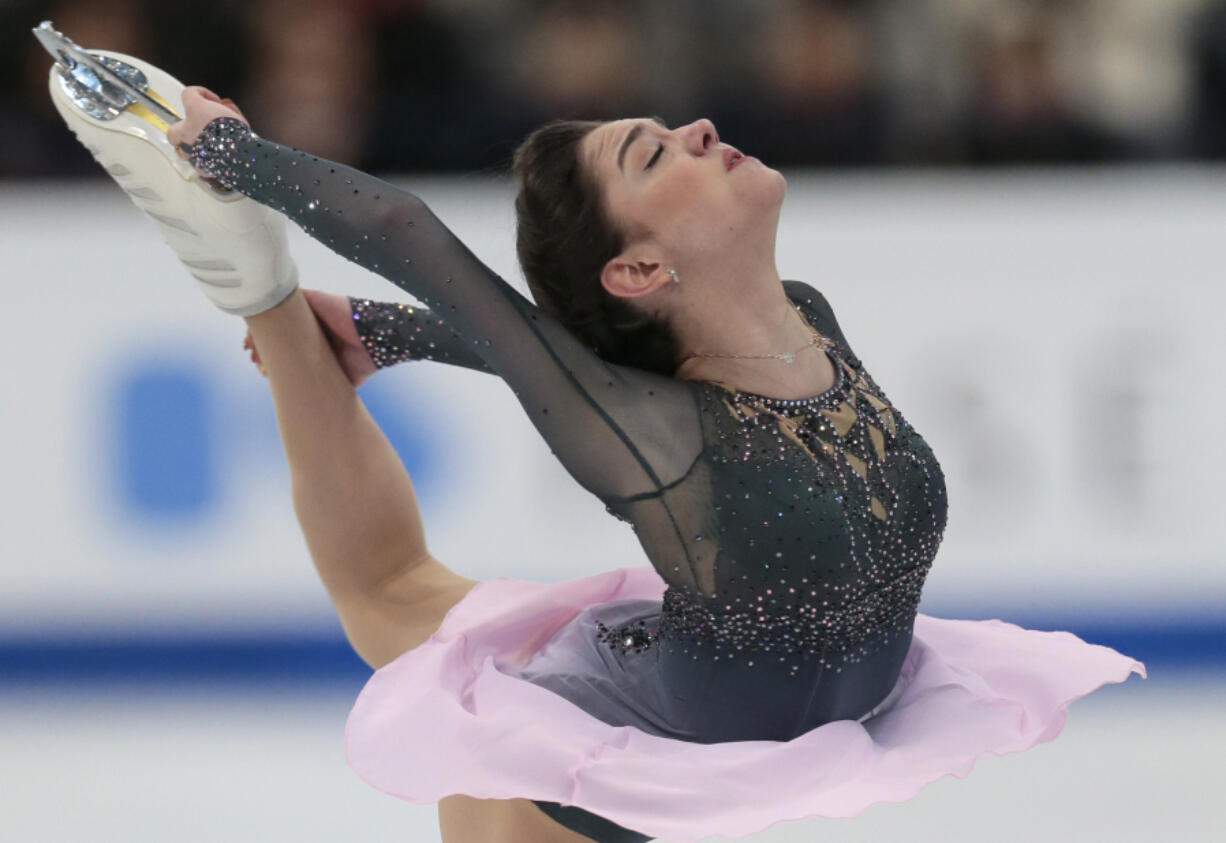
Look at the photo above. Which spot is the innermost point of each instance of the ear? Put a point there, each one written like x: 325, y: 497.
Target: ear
x: 628, y: 277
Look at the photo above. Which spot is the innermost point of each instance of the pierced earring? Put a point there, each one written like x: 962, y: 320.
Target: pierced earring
x: 673, y: 273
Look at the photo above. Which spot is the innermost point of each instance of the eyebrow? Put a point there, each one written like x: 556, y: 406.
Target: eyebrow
x: 630, y: 137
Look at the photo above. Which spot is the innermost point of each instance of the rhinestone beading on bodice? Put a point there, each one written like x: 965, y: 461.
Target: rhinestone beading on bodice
x: 799, y: 626
x: 858, y: 514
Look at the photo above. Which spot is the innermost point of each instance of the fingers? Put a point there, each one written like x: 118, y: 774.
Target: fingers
x: 174, y: 135
x: 230, y: 104
x: 317, y: 301
x: 335, y: 314
x: 199, y: 92
x: 206, y: 94
x: 200, y: 105
x: 249, y: 345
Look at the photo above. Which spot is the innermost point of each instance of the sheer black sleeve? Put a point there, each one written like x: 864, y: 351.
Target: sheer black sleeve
x: 393, y: 333
x: 621, y: 432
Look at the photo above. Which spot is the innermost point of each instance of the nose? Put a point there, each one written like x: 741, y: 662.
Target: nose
x: 700, y: 136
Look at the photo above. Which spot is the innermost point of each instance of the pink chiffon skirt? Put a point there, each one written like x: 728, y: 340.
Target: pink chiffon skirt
x: 455, y: 716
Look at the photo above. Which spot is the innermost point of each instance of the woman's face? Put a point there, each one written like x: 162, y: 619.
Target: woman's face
x: 682, y: 189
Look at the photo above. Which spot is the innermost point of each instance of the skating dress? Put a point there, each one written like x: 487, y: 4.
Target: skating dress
x: 768, y: 664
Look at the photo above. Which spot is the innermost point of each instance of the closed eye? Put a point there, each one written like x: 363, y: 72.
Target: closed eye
x: 655, y: 157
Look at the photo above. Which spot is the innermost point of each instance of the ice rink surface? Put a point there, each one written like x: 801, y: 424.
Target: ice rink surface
x: 1140, y: 761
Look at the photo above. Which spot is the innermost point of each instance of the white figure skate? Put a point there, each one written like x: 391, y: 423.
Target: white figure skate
x: 120, y: 107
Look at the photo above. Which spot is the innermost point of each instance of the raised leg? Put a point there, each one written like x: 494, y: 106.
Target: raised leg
x: 353, y: 498
x: 356, y: 505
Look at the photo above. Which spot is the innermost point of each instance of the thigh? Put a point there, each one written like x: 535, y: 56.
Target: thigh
x: 465, y: 819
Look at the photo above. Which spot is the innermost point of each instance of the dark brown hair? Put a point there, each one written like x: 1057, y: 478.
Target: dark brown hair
x: 565, y: 237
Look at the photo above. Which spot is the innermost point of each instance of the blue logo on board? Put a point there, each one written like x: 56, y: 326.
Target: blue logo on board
x: 172, y: 462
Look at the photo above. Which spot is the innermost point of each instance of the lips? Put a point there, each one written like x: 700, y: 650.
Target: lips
x: 732, y: 157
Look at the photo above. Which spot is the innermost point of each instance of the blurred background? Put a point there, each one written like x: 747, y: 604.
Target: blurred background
x: 447, y: 85
x: 1016, y: 208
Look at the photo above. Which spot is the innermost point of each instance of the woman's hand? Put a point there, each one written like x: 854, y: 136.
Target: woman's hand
x: 335, y: 317
x: 200, y: 107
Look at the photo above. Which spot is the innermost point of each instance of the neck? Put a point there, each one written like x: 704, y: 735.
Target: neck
x: 744, y: 311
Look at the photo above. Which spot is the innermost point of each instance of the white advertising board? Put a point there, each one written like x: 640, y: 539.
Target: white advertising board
x: 1055, y: 336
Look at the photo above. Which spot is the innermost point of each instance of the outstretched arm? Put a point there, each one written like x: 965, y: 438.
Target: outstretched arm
x: 391, y: 333
x: 367, y: 335
x: 622, y: 433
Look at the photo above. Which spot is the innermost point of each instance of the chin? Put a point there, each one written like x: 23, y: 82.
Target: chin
x: 769, y: 189
x: 780, y: 182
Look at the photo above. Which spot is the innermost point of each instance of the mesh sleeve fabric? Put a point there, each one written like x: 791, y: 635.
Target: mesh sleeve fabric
x: 622, y: 433
x: 392, y: 332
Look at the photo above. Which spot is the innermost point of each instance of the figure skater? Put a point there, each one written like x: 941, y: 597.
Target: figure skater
x: 770, y: 663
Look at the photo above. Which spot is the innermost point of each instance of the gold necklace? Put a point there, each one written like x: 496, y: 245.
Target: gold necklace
x: 785, y: 356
